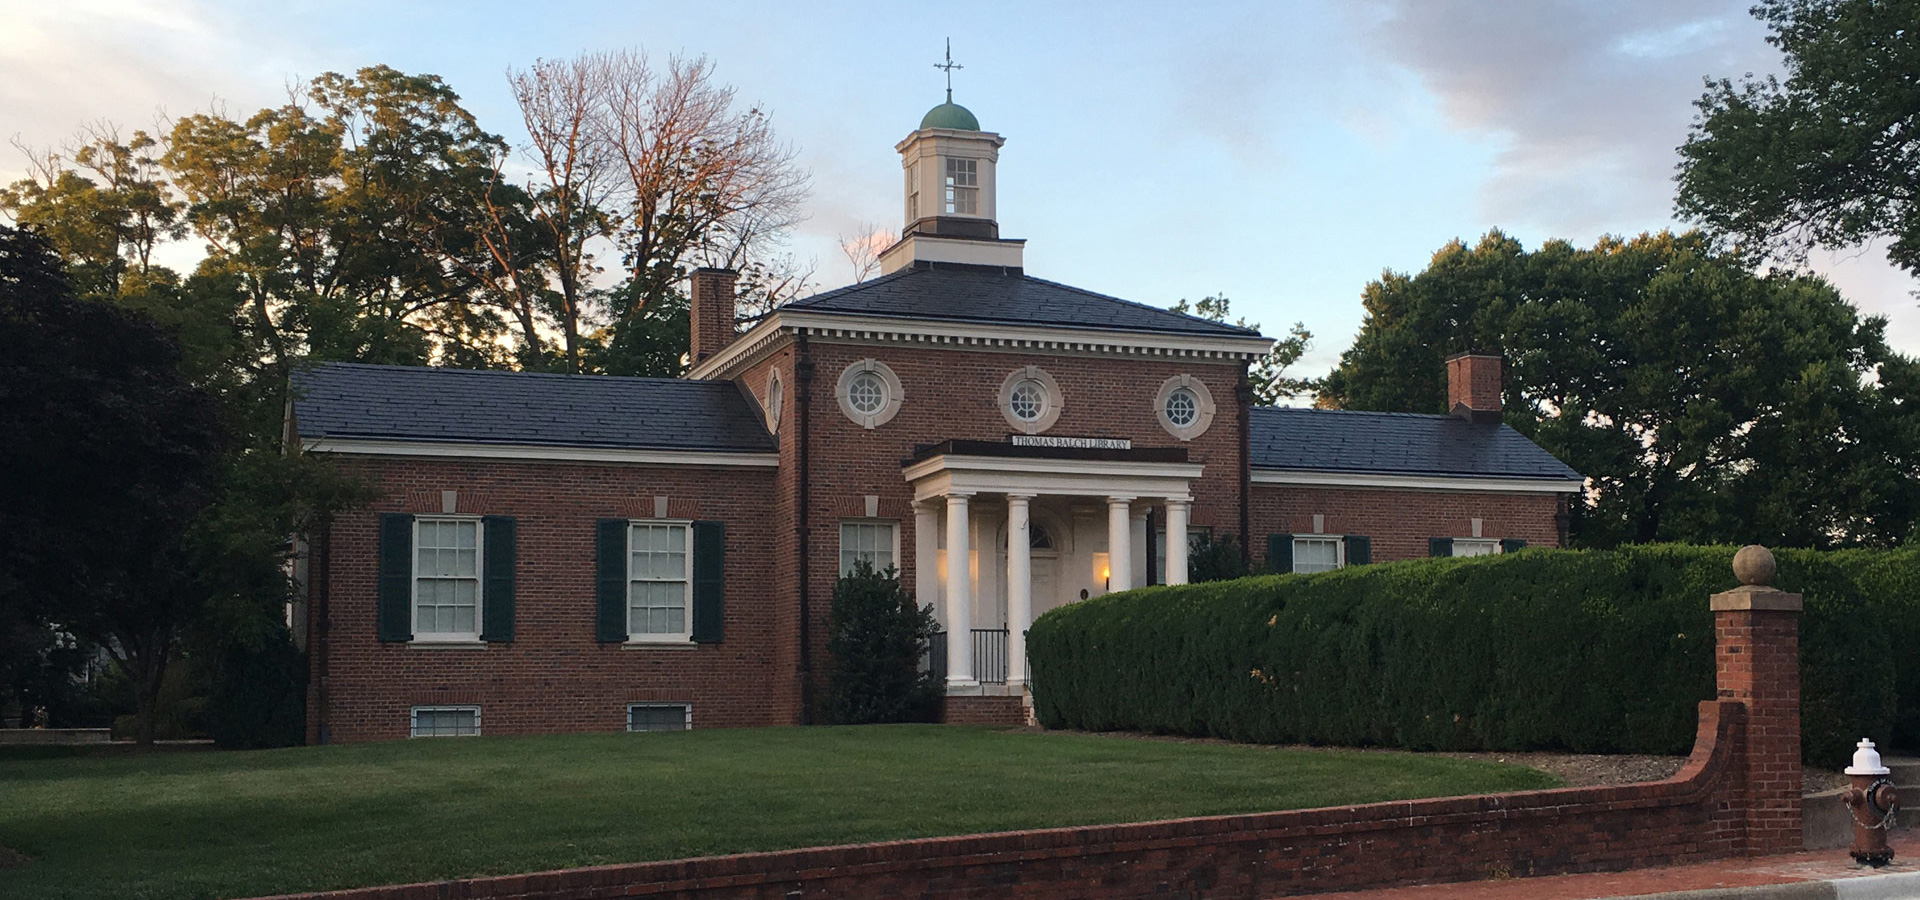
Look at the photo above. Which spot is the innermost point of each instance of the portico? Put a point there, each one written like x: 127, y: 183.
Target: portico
x: 1059, y: 523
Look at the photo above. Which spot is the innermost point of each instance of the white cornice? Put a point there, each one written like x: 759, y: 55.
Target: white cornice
x: 975, y: 336
x: 1476, y: 484
x: 540, y: 452
x: 939, y: 476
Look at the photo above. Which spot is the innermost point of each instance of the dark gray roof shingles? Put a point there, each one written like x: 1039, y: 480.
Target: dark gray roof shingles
x: 1332, y: 440
x: 416, y: 403
x: 988, y: 294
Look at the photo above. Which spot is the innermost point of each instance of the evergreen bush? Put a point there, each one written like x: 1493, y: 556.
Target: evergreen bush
x: 878, y: 636
x: 259, y: 695
x: 1588, y: 651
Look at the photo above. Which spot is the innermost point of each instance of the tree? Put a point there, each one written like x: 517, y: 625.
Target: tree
x: 113, y: 455
x: 877, y: 636
x: 1706, y: 403
x: 1268, y: 374
x: 1831, y: 156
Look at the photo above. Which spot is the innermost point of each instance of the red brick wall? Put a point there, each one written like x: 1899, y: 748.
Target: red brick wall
x: 1757, y: 659
x: 954, y: 394
x: 1243, y: 857
x: 1399, y: 522
x: 984, y: 710
x: 554, y: 676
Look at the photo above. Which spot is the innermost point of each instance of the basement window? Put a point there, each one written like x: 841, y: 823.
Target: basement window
x: 446, y: 721
x: 659, y: 717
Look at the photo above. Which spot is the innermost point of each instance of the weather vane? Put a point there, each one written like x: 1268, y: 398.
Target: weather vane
x: 948, y: 67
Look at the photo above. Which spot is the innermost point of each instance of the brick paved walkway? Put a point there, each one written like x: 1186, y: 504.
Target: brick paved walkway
x: 1749, y: 871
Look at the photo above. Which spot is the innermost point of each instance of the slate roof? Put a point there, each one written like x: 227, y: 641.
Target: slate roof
x: 1333, y: 440
x: 417, y: 403
x: 991, y: 294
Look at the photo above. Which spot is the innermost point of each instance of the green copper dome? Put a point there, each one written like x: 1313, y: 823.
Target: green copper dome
x: 950, y: 115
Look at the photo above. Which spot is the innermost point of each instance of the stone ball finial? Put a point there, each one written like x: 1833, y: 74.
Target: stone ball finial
x: 1754, y: 565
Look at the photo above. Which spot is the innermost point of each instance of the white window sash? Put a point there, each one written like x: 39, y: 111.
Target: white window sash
x: 479, y: 579
x: 413, y: 729
x: 1339, y: 550
x: 889, y: 545
x: 685, y: 635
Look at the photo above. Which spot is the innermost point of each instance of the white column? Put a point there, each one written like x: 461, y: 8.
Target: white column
x: 1177, y: 508
x: 1119, y: 543
x: 959, y: 594
x: 926, y: 552
x: 1019, y: 587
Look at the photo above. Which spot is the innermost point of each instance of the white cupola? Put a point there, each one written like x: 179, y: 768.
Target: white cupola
x: 950, y: 165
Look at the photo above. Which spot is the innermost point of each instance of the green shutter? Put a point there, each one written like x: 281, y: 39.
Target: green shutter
x: 1439, y: 546
x: 709, y: 580
x: 1279, y: 553
x: 1512, y: 545
x: 1359, y: 549
x: 394, y: 617
x: 496, y: 612
x: 611, y: 582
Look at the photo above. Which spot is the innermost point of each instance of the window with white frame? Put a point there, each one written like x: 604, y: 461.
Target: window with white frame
x: 1475, y: 547
x: 1183, y: 408
x: 659, y: 717
x: 868, y: 540
x: 445, y: 721
x: 446, y: 579
x: 913, y: 192
x: 867, y: 393
x: 963, y: 187
x: 1198, y: 537
x: 1316, y: 554
x: 659, y: 591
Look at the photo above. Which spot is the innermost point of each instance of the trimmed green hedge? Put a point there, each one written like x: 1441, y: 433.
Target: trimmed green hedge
x: 1589, y: 651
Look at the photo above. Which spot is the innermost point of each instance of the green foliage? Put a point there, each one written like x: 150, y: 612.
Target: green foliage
x: 1589, y: 651
x: 1707, y: 404
x: 1211, y: 558
x: 877, y: 636
x: 1827, y: 158
x: 1267, y: 375
x: 259, y: 695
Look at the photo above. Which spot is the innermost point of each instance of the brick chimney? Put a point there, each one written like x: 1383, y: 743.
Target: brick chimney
x: 1473, y: 387
x: 712, y: 312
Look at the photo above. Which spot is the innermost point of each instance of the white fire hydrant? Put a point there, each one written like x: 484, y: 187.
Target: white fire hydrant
x: 1871, y: 798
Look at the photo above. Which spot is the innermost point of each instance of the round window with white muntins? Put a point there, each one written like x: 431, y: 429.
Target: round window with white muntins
x: 1184, y: 407
x: 1030, y: 400
x: 869, y: 393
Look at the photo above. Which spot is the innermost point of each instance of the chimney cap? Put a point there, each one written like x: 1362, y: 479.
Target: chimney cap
x: 1475, y: 354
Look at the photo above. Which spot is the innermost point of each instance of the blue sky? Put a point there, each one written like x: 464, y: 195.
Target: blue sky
x: 1282, y: 154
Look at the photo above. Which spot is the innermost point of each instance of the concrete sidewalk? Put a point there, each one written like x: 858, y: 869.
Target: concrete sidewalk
x: 1813, y: 875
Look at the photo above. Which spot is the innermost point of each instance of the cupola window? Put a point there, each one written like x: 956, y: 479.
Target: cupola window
x: 963, y: 187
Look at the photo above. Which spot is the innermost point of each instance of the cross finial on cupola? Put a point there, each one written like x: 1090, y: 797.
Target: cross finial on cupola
x: 948, y: 67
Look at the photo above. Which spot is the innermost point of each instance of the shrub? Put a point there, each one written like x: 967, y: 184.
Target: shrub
x: 877, y: 636
x: 1543, y: 649
x: 1215, y: 559
x: 259, y: 695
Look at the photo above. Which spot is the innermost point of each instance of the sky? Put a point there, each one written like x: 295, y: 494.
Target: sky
x: 1282, y: 154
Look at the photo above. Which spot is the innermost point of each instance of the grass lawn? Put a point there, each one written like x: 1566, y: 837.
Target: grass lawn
x: 213, y: 824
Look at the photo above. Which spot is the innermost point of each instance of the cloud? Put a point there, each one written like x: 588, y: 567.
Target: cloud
x: 1585, y: 102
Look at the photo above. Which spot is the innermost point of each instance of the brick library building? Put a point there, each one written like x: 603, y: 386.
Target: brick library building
x: 561, y: 553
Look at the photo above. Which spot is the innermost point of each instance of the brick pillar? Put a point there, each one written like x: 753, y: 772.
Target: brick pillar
x: 1473, y: 387
x: 1757, y: 662
x: 711, y: 312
